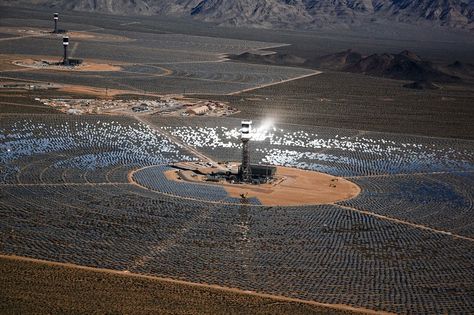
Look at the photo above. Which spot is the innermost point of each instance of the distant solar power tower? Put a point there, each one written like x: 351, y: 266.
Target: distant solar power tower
x: 65, y: 44
x: 56, y: 18
x: 245, y: 135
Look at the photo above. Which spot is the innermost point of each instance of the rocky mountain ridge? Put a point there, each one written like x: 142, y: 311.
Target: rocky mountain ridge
x: 295, y: 14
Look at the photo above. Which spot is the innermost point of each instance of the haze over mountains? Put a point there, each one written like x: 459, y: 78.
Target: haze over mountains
x: 296, y: 14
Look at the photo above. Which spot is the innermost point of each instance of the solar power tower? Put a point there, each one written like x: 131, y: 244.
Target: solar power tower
x: 56, y: 18
x: 245, y: 135
x: 65, y: 44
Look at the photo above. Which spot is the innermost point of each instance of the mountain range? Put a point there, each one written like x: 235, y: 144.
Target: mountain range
x: 295, y: 14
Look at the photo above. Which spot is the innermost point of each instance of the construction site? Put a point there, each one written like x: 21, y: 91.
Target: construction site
x: 164, y: 106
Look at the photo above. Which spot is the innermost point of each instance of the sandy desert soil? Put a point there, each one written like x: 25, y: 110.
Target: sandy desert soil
x: 296, y: 187
x: 93, y: 91
x: 30, y: 286
x: 87, y: 65
x: 12, y: 63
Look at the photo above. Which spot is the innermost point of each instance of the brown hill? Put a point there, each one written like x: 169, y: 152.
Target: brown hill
x: 274, y: 59
x: 338, y: 61
x: 403, y: 66
x: 421, y: 85
x: 461, y: 68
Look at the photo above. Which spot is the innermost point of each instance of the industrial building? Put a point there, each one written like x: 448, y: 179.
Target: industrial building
x: 201, y: 110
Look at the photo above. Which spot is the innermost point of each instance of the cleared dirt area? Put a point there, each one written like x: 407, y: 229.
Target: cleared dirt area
x: 37, y: 287
x: 294, y: 187
x: 89, y: 90
x: 98, y: 37
x: 49, y: 64
x: 43, y: 32
x: 18, y: 63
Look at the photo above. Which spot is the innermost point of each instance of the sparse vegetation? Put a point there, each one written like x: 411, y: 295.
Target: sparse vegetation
x: 40, y: 288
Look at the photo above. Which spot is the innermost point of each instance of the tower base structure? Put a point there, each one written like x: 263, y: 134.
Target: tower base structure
x: 245, y: 171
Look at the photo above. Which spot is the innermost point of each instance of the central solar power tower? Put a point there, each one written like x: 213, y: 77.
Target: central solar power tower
x: 245, y: 135
x: 65, y: 44
x: 56, y: 18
